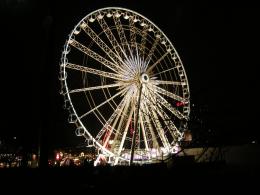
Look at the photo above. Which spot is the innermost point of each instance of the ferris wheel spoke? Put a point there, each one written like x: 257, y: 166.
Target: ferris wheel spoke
x: 94, y: 71
x: 116, y: 112
x: 125, y: 132
x: 168, y: 122
x: 141, y: 62
x: 143, y: 40
x: 114, y: 57
x: 134, y: 61
x: 148, y: 122
x: 144, y: 132
x: 103, y: 103
x: 132, y: 31
x: 159, y: 127
x: 114, y: 124
x: 95, y: 88
x: 122, y: 120
x: 151, y: 52
x: 160, y: 82
x: 93, y: 55
x: 111, y: 37
x: 175, y: 133
x: 157, y: 62
x: 98, y: 115
x: 114, y: 43
x: 166, y: 104
x: 164, y: 71
x: 169, y: 94
x: 121, y: 32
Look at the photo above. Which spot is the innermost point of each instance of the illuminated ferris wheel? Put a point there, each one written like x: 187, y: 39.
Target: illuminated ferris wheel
x: 125, y: 87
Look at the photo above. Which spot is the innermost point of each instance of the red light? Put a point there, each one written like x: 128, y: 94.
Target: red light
x: 132, y: 131
x: 131, y: 128
x: 57, y: 156
x: 179, y: 104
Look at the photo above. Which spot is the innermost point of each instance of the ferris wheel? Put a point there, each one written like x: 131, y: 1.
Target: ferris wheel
x: 125, y: 87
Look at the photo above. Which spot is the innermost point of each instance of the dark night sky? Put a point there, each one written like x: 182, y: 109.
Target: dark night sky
x: 218, y: 44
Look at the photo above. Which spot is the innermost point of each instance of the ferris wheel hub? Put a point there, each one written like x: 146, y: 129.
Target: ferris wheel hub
x: 144, y: 78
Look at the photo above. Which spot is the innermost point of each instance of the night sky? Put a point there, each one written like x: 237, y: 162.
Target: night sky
x: 218, y: 44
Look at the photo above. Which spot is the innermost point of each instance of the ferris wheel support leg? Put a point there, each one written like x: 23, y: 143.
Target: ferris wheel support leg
x: 135, y: 129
